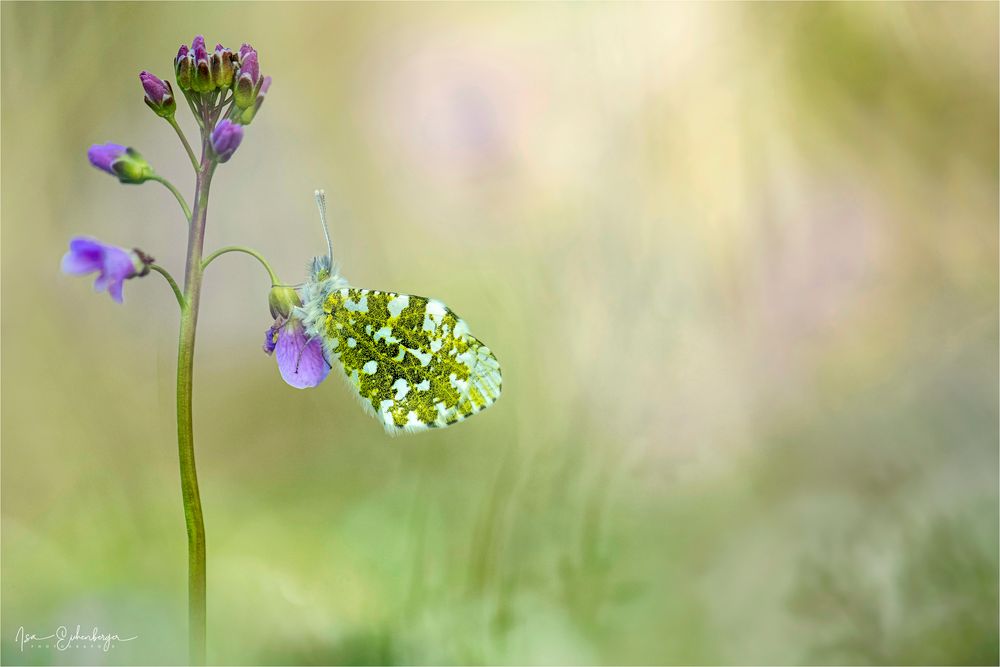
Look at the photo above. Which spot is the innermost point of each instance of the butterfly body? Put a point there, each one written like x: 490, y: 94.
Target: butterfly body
x: 412, y: 361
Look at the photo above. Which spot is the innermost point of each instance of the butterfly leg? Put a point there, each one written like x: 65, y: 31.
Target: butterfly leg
x: 298, y: 359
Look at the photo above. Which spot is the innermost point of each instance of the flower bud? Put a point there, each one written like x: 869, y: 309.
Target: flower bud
x: 202, y: 75
x: 282, y: 300
x: 159, y: 95
x: 226, y: 138
x: 248, y: 82
x: 248, y: 114
x: 120, y: 161
x: 183, y: 67
x: 223, y: 67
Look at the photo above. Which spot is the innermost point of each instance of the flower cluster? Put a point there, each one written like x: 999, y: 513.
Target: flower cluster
x: 202, y: 75
x: 224, y: 91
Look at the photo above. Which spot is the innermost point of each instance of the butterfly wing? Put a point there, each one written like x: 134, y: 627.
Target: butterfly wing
x: 411, y: 359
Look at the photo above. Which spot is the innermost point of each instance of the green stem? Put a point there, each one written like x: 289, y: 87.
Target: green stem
x: 177, y: 195
x: 185, y: 429
x: 248, y: 251
x: 170, y: 280
x: 187, y: 146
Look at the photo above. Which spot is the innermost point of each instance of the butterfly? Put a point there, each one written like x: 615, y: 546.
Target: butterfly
x: 412, y: 361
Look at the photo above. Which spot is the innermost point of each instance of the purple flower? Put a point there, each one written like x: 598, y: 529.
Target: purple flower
x: 115, y: 265
x: 120, y: 161
x: 223, y: 67
x: 183, y: 66
x: 103, y: 156
x: 248, y: 82
x: 201, y: 79
x: 159, y: 94
x: 226, y: 138
x: 248, y: 114
x: 300, y: 360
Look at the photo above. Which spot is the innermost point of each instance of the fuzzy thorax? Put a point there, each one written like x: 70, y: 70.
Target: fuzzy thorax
x: 323, y: 279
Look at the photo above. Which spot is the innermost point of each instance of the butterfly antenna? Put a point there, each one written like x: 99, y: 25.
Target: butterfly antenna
x: 321, y: 204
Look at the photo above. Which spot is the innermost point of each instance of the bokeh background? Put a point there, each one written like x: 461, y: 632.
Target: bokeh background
x: 739, y: 263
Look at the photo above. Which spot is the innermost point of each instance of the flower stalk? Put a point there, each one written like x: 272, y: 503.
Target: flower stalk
x: 204, y: 79
x: 176, y: 193
x: 193, y: 518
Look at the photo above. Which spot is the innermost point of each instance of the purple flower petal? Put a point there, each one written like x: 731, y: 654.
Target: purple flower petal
x: 84, y: 256
x: 103, y: 156
x: 249, y: 66
x: 201, y: 54
x: 155, y: 88
x: 271, y: 336
x: 197, y: 42
x: 226, y: 138
x: 114, y: 265
x: 301, y: 361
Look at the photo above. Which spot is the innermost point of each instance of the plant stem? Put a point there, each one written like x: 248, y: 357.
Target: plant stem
x: 248, y: 251
x: 177, y: 195
x: 170, y: 281
x: 187, y: 146
x: 185, y: 429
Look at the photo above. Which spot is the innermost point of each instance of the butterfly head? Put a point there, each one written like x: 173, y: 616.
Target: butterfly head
x: 320, y: 269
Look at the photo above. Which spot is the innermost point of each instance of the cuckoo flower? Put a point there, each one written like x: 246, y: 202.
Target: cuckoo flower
x: 223, y: 89
x: 300, y: 359
x: 249, y: 81
x: 113, y: 265
x: 248, y: 114
x: 120, y: 161
x: 226, y: 138
x: 159, y: 94
x: 223, y: 67
x: 183, y: 65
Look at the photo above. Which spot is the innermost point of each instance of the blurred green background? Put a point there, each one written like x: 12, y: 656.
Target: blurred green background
x: 739, y: 263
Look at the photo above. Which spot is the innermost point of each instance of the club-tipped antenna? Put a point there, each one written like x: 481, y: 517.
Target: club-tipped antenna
x: 321, y: 204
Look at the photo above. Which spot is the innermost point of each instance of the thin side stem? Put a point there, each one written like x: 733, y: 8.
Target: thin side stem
x: 177, y: 195
x: 196, y: 110
x: 170, y: 281
x: 223, y: 103
x: 187, y: 146
x: 248, y: 251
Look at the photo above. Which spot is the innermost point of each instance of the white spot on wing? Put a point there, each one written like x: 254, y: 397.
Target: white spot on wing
x: 370, y: 367
x: 386, y: 333
x: 424, y: 357
x: 397, y: 305
x: 360, y: 306
x: 402, y: 388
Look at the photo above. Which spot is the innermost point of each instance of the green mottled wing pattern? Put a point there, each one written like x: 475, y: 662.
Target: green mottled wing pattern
x: 411, y: 359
